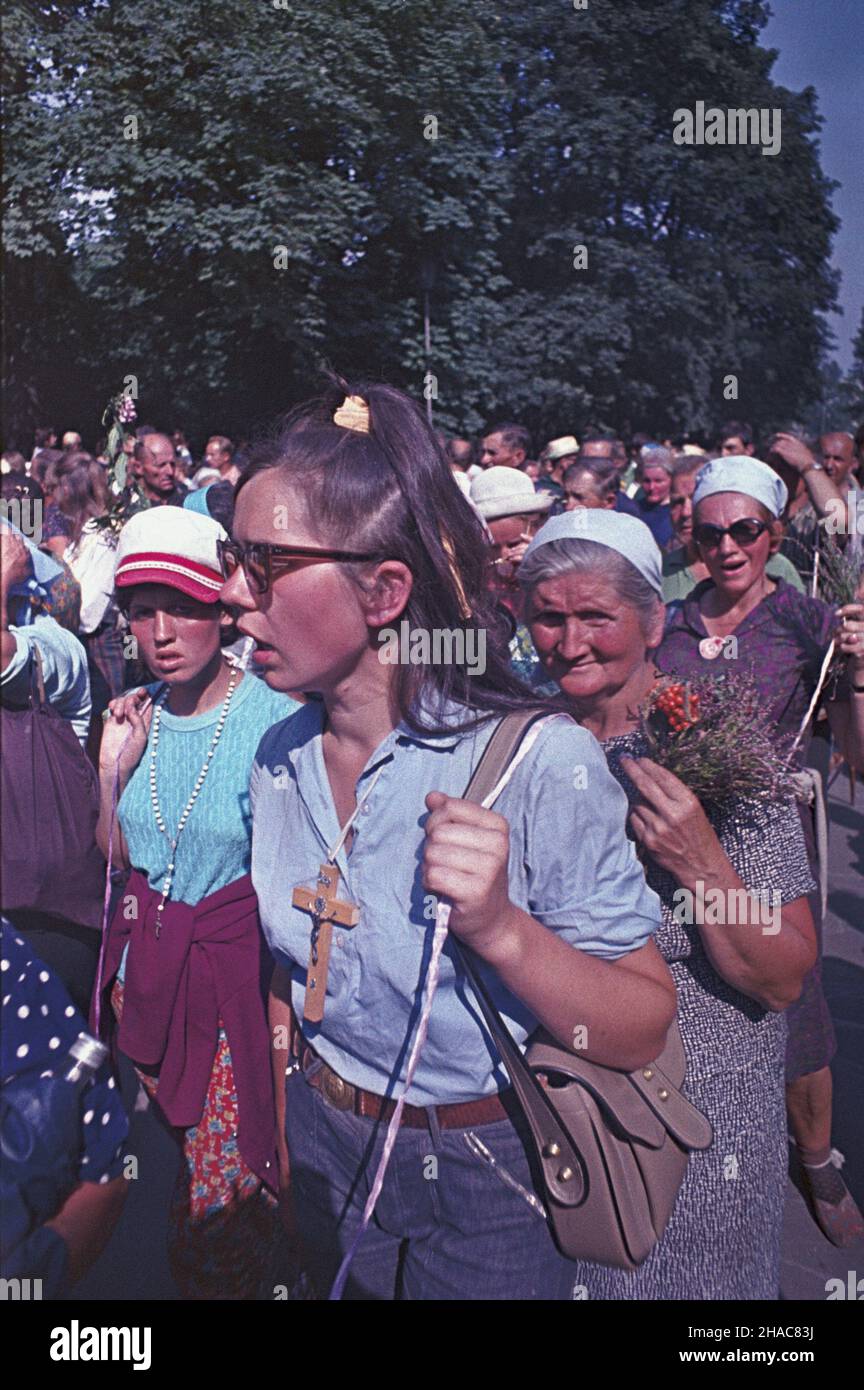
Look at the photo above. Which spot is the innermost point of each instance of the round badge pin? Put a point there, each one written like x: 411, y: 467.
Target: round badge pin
x: 710, y: 647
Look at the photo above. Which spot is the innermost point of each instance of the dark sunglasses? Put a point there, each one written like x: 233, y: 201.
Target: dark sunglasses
x: 263, y: 562
x: 744, y: 532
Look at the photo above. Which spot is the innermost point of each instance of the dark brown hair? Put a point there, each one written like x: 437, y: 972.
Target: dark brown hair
x: 514, y: 436
x: 80, y: 491
x: 737, y: 429
x: 391, y: 493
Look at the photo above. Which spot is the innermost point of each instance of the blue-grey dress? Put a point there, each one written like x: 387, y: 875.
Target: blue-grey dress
x: 723, y: 1238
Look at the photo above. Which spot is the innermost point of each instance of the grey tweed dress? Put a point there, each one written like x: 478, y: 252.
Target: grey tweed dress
x: 723, y: 1238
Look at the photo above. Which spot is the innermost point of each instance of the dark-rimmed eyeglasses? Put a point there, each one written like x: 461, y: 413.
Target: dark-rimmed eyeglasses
x: 744, y: 532
x: 262, y: 562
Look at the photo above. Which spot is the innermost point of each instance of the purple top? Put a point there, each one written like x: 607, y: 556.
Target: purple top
x: 55, y: 523
x: 781, y: 645
x: 205, y: 967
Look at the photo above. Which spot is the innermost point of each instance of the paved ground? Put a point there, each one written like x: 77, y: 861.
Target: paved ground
x: 134, y: 1266
x: 808, y: 1259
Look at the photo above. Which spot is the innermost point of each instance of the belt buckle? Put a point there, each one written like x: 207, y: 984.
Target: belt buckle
x: 340, y: 1094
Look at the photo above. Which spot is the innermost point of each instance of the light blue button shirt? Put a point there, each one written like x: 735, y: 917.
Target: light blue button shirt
x: 571, y: 867
x: 64, y: 671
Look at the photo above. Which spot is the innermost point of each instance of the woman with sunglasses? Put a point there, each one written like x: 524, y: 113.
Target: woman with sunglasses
x: 346, y: 526
x: 184, y: 956
x: 683, y: 568
x: 780, y: 637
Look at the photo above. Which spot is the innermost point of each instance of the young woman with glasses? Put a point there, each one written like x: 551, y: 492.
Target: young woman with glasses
x: 347, y: 524
x: 184, y: 965
x: 780, y: 637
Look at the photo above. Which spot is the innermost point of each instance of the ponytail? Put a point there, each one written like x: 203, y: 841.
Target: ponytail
x: 390, y: 492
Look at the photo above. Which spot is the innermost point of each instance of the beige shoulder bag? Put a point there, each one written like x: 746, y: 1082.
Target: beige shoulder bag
x: 612, y: 1145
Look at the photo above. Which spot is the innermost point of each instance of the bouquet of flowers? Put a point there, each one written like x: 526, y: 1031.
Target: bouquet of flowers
x: 126, y: 500
x: 841, y: 571
x: 715, y: 734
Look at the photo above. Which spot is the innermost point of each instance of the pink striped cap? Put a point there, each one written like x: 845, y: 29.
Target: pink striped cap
x: 168, y: 545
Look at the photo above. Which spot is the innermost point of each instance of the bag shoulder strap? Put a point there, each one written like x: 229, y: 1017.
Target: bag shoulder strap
x: 37, y: 679
x: 563, y: 1168
x: 500, y: 752
x: 562, y: 1164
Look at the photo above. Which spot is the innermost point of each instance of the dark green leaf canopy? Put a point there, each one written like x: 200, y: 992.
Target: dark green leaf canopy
x: 217, y: 197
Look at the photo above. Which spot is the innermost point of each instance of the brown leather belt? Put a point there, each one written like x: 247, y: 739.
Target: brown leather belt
x: 343, y: 1096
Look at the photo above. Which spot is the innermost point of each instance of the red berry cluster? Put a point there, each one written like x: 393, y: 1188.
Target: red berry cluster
x: 673, y: 702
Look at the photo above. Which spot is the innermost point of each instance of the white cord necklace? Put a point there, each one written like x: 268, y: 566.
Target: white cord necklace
x: 154, y: 796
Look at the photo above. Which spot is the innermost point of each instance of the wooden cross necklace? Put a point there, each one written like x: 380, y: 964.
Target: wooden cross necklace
x: 322, y: 902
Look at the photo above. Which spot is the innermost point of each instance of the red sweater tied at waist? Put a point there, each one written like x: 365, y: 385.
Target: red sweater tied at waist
x: 208, y: 964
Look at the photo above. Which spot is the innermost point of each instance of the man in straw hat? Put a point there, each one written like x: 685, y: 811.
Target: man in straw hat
x: 555, y: 459
x: 513, y: 512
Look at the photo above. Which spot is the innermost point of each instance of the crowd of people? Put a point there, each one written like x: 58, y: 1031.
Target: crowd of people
x: 277, y: 811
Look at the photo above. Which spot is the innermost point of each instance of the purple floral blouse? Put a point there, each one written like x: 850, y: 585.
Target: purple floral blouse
x: 55, y: 523
x: 781, y: 645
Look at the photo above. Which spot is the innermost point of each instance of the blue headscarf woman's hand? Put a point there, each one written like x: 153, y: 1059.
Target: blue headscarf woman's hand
x: 26, y: 573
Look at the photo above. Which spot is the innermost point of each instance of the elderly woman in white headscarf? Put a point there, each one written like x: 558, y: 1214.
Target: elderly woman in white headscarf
x: 593, y: 605
x: 780, y: 637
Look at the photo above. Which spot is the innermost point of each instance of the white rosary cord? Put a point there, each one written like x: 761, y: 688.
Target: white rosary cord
x: 343, y: 833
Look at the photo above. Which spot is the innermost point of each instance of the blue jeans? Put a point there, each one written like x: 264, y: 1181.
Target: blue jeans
x: 449, y: 1224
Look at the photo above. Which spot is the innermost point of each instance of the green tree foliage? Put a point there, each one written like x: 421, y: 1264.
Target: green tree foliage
x: 703, y: 261
x: 218, y: 196
x: 833, y: 406
x: 855, y: 379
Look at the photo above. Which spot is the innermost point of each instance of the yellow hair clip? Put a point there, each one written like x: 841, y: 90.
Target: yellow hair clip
x: 464, y: 605
x: 353, y: 414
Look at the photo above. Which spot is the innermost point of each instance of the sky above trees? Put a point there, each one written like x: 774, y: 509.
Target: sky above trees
x: 820, y: 43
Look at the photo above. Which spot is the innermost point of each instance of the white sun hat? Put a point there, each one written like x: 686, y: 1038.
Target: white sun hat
x: 507, y: 492
x: 560, y: 448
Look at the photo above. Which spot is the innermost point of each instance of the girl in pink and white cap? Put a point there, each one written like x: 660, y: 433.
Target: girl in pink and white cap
x: 183, y: 953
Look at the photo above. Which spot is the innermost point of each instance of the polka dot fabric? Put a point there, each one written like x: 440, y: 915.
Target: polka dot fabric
x: 39, y: 1025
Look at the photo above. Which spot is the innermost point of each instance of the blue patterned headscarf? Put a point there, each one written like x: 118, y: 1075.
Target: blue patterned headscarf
x: 32, y: 593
